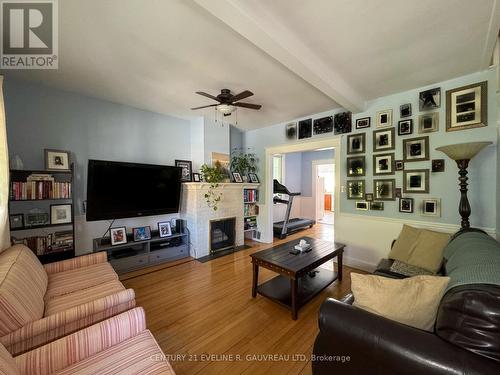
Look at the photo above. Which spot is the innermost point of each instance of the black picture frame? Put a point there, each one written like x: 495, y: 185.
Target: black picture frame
x: 405, y: 110
x: 406, y: 205
x: 164, y: 229
x: 323, y: 125
x: 342, y: 123
x: 355, y: 189
x: 187, y: 169
x: 383, y: 164
x: 196, y: 177
x: 413, y: 177
x: 363, y: 123
x: 405, y: 127
x: 437, y: 165
x: 57, y: 160
x: 416, y: 149
x: 384, y: 140
x: 253, y: 178
x: 431, y: 207
x: 356, y: 166
x: 377, y: 206
x: 356, y: 144
x: 428, y: 122
x: 399, y: 165
x: 237, y: 177
x: 305, y: 128
x: 68, y: 208
x: 384, y: 189
x: 398, y: 192
x: 291, y: 131
x: 141, y: 233
x: 384, y: 118
x: 429, y: 99
x: 362, y: 205
x: 16, y: 221
x: 369, y: 197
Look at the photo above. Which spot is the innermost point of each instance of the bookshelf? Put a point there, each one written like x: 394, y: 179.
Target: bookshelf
x: 33, y: 195
x: 250, y: 209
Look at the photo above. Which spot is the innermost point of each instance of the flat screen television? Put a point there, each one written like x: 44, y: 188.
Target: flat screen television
x: 118, y: 190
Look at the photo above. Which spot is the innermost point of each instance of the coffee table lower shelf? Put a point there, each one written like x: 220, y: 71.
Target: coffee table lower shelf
x: 279, y: 288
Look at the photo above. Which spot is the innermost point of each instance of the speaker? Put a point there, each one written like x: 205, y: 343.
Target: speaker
x: 180, y: 225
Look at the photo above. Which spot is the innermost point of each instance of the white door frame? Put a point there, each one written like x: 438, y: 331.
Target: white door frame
x: 266, y: 218
x: 315, y: 164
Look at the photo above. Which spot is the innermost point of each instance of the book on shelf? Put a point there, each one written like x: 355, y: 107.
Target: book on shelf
x: 250, y: 209
x: 250, y: 195
x: 36, y: 190
x: 47, y: 244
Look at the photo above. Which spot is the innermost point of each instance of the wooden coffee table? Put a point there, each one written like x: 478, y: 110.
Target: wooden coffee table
x: 294, y: 286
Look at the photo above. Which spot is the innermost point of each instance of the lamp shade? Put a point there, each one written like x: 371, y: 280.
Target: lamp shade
x: 463, y: 151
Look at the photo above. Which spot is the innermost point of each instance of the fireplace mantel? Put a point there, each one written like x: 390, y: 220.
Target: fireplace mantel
x: 222, y: 185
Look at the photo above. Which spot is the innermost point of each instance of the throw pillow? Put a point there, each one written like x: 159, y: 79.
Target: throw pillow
x: 407, y: 269
x: 404, y: 243
x: 413, y: 301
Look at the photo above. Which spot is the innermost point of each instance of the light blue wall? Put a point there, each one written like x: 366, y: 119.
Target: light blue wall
x: 307, y: 160
x: 39, y: 117
x: 482, y: 171
x: 235, y: 138
x: 293, y: 171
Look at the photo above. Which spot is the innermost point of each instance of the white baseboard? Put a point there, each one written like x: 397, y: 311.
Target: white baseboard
x: 359, y: 264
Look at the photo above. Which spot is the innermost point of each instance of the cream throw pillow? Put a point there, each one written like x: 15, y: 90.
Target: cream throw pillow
x: 420, y: 247
x: 413, y: 301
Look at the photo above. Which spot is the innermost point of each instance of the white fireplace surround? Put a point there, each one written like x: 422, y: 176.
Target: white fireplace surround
x: 195, y: 210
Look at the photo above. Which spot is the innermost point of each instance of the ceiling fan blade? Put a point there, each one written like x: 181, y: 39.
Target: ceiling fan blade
x: 248, y: 105
x: 241, y: 95
x: 206, y: 106
x: 207, y: 95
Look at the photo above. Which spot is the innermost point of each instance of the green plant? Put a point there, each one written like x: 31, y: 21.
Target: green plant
x: 213, y: 175
x: 244, y: 163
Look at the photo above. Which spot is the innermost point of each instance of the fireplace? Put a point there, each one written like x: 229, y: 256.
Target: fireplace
x: 222, y: 234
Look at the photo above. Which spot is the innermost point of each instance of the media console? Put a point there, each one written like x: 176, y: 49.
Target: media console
x: 136, y: 255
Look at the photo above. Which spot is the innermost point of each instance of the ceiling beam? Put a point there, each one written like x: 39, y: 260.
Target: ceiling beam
x: 492, y: 36
x: 252, y: 22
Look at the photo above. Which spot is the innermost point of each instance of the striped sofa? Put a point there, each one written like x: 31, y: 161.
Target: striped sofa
x: 118, y: 345
x: 39, y: 304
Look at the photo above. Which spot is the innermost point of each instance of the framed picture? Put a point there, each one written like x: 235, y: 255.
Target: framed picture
x: 187, y: 169
x: 384, y: 118
x: 196, y: 177
x: 383, y: 164
x: 252, y: 177
x: 164, y: 229
x: 291, y: 131
x: 305, y: 128
x: 355, y: 189
x: 361, y: 205
x: 356, y: 143
x: 118, y: 235
x: 428, y: 122
x: 399, y: 165
x: 323, y: 125
x: 342, y: 123
x: 416, y: 181
x: 60, y: 213
x: 237, y: 177
x: 429, y: 99
x: 438, y: 165
x: 431, y: 207
x: 406, y: 205
x: 362, y: 123
x: 384, y: 190
x: 141, y: 233
x: 398, y: 193
x: 416, y: 149
x: 405, y: 127
x: 57, y: 160
x: 467, y: 107
x: 383, y: 140
x: 36, y: 218
x: 16, y: 221
x: 369, y: 197
x: 355, y: 166
x: 405, y: 110
x: 377, y: 206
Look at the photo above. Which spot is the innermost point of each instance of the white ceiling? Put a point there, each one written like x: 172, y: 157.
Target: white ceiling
x: 298, y: 57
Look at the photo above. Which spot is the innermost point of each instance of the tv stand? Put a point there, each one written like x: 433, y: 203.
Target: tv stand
x: 141, y: 254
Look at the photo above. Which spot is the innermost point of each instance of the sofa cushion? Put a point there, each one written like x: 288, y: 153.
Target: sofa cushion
x: 23, y: 283
x: 137, y: 355
x: 79, y: 297
x: 61, y: 283
x: 412, y: 301
x: 404, y: 244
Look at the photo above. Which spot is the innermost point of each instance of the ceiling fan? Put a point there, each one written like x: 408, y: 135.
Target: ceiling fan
x: 227, y: 102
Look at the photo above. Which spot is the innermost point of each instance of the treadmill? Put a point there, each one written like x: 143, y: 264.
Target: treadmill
x: 288, y: 226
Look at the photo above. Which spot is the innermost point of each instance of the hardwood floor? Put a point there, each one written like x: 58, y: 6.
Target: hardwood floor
x: 204, y: 314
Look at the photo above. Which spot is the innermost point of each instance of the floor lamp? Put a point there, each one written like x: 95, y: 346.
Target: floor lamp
x: 462, y: 153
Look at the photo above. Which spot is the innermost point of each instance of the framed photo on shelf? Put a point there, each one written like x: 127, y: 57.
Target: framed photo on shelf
x: 60, y: 213
x: 406, y: 205
x: 383, y: 164
x: 57, y: 160
x: 467, y: 107
x: 16, y: 221
x: 291, y: 131
x: 237, y: 177
x: 428, y: 122
x: 356, y: 143
x: 384, y: 189
x: 355, y: 189
x: 383, y: 140
x: 118, y: 235
x: 362, y: 123
x: 305, y: 128
x: 416, y: 181
x: 141, y: 233
x: 405, y: 110
x: 361, y: 205
x: 431, y: 207
x: 196, y: 177
x: 252, y: 177
x: 377, y: 206
x: 384, y: 118
x: 36, y: 218
x: 355, y: 166
x: 405, y: 127
x: 187, y: 169
x: 164, y: 229
x: 429, y: 99
x: 416, y: 149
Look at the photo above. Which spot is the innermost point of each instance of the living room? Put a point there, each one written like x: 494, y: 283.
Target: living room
x: 211, y: 179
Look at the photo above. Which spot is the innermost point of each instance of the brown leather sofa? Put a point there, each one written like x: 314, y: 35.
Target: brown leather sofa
x: 466, y: 339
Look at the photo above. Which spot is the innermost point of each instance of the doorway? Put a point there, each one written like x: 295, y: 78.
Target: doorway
x: 323, y: 175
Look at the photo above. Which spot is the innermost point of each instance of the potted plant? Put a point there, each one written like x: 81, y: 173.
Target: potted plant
x: 213, y: 175
x: 244, y: 163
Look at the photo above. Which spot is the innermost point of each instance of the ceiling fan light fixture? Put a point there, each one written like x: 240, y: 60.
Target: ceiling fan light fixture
x: 226, y: 108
